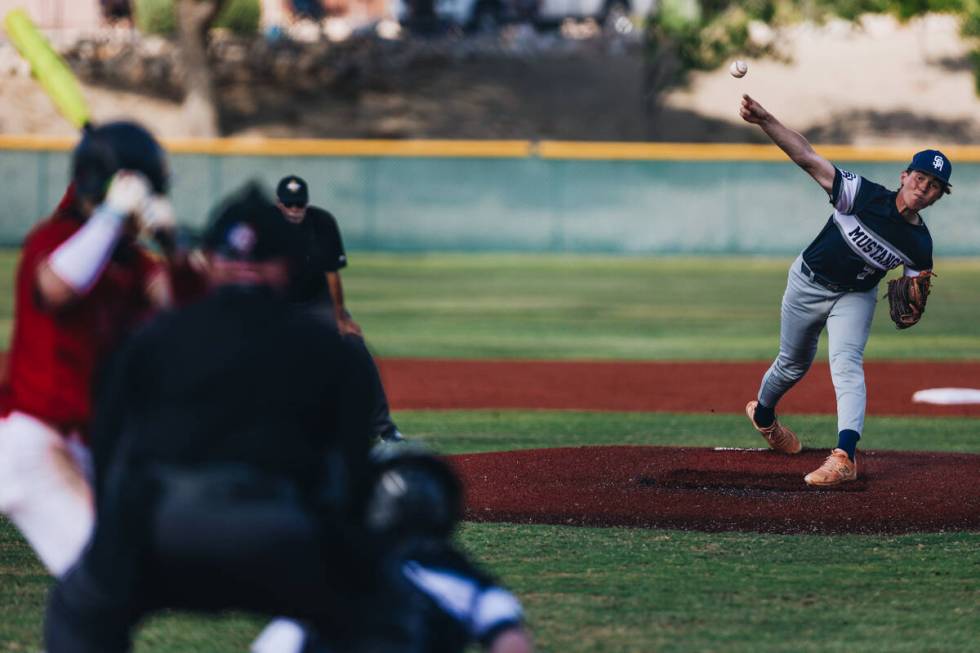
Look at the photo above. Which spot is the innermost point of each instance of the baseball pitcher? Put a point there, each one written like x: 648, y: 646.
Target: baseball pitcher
x: 833, y: 284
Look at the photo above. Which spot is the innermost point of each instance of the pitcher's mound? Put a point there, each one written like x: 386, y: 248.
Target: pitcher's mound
x: 721, y: 489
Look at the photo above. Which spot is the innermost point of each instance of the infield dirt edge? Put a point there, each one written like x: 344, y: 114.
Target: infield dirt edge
x: 720, y: 490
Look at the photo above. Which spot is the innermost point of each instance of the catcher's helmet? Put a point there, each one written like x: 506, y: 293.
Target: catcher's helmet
x: 247, y: 226
x: 414, y: 494
x: 115, y: 146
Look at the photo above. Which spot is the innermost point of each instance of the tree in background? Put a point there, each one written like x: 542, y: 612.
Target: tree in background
x: 685, y: 35
x: 191, y: 21
x: 194, y: 20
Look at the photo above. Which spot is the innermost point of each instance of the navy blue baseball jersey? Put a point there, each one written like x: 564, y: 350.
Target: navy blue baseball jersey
x: 866, y: 236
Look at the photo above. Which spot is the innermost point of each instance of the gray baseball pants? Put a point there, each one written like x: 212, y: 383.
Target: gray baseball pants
x: 807, y: 308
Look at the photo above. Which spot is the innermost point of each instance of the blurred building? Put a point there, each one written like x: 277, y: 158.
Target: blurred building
x: 59, y: 14
x: 85, y: 15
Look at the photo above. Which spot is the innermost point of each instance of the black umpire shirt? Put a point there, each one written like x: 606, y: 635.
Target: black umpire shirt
x: 321, y: 250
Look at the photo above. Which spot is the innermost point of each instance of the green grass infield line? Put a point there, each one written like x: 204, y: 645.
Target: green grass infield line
x: 503, y: 430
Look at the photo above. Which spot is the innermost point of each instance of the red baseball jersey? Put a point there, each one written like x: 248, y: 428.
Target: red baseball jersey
x: 54, y: 354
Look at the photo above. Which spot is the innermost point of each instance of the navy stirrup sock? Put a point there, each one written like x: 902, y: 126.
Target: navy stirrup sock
x: 764, y: 416
x: 848, y: 441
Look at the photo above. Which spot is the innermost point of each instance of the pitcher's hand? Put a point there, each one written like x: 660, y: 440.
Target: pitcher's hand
x: 753, y: 112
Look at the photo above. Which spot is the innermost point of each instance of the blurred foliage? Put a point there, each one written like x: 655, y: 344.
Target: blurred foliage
x: 704, y: 34
x: 155, y: 16
x: 970, y: 28
x: 241, y: 17
x: 158, y: 16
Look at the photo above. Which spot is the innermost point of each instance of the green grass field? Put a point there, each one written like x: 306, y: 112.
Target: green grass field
x: 637, y: 589
x: 482, y: 306
x: 522, y: 306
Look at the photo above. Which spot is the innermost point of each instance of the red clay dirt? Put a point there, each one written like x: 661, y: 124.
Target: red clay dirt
x: 698, y: 489
x: 721, y: 490
x: 686, y: 387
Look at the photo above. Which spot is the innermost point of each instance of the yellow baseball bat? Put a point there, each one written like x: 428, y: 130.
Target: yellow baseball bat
x: 49, y: 69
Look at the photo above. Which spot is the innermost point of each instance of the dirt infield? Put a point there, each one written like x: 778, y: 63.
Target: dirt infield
x: 699, y: 387
x: 688, y: 488
x: 721, y: 490
x: 697, y: 489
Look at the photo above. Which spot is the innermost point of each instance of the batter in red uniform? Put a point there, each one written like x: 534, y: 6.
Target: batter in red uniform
x: 82, y: 284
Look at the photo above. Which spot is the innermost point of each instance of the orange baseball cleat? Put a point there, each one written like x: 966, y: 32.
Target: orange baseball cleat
x: 838, y: 468
x: 778, y: 436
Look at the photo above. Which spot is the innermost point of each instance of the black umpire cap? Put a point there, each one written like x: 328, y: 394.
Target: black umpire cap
x: 293, y: 192
x: 249, y: 227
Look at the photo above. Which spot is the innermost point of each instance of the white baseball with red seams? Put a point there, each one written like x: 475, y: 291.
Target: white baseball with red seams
x: 738, y: 68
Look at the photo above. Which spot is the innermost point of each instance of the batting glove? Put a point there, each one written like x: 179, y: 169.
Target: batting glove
x: 128, y: 193
x: 158, y: 215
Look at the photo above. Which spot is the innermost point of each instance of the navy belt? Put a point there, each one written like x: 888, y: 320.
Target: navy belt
x: 824, y: 281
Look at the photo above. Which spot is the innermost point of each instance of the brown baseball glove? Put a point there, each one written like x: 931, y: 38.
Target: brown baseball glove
x: 907, y: 298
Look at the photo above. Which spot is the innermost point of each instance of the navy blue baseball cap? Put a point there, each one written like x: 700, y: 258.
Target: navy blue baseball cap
x: 935, y: 163
x: 292, y: 191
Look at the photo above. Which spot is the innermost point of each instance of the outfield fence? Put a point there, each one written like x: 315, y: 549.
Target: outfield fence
x: 622, y: 198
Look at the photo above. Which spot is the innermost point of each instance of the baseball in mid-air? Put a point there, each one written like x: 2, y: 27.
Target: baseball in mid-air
x: 738, y: 68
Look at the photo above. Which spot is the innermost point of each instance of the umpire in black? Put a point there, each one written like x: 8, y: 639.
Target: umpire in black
x: 230, y: 466
x: 316, y: 283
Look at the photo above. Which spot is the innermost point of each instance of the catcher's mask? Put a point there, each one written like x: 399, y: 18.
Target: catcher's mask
x: 114, y: 146
x: 414, y: 494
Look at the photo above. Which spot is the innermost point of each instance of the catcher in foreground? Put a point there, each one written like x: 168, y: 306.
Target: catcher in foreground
x: 833, y: 284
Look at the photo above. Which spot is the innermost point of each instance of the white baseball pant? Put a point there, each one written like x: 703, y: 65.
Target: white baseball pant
x: 45, y: 489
